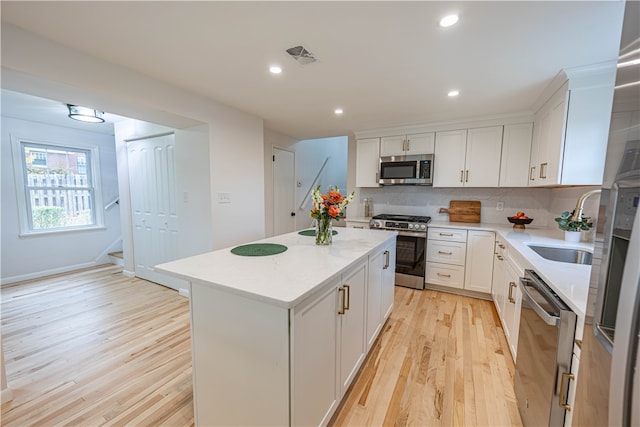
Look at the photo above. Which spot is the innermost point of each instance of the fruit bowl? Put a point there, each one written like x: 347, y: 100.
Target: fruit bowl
x: 519, y: 222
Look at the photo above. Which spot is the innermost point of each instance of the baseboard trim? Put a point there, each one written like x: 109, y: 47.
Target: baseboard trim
x: 183, y: 292
x: 6, y: 395
x: 128, y: 273
x: 44, y: 273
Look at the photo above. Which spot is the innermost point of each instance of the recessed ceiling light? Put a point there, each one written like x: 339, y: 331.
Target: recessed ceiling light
x: 274, y: 69
x: 453, y: 93
x: 338, y: 111
x: 449, y: 20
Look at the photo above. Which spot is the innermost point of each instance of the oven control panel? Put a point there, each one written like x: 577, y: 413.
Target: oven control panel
x: 397, y: 225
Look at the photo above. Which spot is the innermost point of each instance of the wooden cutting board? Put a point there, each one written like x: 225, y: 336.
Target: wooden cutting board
x: 463, y: 211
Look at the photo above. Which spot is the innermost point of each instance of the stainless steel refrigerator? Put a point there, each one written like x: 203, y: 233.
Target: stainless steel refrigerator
x: 608, y: 384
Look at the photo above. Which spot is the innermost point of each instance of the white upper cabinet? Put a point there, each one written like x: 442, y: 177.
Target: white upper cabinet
x: 516, y: 148
x: 571, y: 130
x: 416, y: 144
x: 468, y: 158
x: 367, y: 162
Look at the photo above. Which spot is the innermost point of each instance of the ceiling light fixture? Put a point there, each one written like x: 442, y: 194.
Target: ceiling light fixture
x: 274, y: 69
x: 453, y: 93
x: 85, y: 114
x: 449, y: 20
x: 338, y: 111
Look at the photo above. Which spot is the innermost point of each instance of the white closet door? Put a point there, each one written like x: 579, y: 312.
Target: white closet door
x: 153, y: 206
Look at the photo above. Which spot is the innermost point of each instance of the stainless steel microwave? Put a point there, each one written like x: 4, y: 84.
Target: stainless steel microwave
x: 406, y: 170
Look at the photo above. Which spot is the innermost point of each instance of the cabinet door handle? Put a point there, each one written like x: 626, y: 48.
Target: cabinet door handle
x: 461, y: 175
x: 408, y: 145
x: 501, y: 246
x: 510, y: 297
x: 565, y: 376
x: 341, y: 290
x: 346, y: 307
x: 444, y: 275
x: 446, y: 234
x: 532, y: 173
x: 500, y: 258
x: 386, y: 263
x: 358, y: 226
x: 445, y: 253
x: 543, y: 170
x: 466, y: 175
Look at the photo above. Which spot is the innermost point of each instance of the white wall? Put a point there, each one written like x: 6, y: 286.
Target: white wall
x: 34, y: 256
x: 309, y: 156
x: 236, y: 145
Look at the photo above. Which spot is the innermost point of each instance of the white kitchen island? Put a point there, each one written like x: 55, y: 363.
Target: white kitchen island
x: 276, y: 340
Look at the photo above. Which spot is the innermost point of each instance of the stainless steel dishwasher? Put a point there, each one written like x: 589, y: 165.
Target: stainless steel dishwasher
x: 545, y: 348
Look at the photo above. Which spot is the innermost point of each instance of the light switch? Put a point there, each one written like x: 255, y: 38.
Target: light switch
x: 224, y: 197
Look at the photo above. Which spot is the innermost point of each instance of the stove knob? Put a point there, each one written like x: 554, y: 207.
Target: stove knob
x: 410, y: 226
x: 423, y: 227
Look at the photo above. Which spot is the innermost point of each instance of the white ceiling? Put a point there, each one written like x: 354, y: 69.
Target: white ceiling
x: 385, y: 63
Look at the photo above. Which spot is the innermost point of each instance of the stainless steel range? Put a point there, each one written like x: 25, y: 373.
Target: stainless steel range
x: 410, y: 246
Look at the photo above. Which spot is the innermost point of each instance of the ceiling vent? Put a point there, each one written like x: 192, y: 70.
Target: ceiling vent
x: 302, y: 55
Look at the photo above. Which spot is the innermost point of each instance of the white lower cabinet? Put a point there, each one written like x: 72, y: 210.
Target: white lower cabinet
x: 479, y: 264
x: 332, y: 333
x: 380, y: 291
x: 512, y: 307
x: 351, y: 324
x: 498, y: 283
x: 461, y: 259
x: 315, y: 385
x: 328, y: 347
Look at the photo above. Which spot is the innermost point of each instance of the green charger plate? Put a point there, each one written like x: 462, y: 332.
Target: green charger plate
x: 259, y: 249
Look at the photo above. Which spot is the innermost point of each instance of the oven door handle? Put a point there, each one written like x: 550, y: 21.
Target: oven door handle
x: 549, y: 319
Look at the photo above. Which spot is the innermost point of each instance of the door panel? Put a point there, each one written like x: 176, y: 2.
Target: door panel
x: 154, y: 207
x: 283, y: 192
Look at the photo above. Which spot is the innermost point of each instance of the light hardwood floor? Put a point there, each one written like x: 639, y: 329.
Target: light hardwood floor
x: 96, y: 348
x: 442, y: 360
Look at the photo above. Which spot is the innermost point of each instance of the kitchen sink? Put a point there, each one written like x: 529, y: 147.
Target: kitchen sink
x: 569, y: 255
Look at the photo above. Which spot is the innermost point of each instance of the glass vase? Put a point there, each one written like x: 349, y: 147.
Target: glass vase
x: 324, y: 231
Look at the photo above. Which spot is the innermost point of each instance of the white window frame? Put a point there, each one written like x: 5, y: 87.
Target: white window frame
x: 23, y: 202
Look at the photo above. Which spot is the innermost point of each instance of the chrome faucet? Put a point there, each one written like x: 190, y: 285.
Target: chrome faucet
x: 577, y: 213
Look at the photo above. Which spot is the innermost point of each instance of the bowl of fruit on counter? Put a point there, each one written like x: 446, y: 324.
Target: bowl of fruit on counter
x: 519, y: 220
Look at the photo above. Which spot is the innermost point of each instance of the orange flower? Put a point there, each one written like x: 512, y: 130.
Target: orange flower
x: 333, y: 211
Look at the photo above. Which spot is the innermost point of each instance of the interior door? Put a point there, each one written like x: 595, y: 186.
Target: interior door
x: 153, y: 206
x: 284, y: 200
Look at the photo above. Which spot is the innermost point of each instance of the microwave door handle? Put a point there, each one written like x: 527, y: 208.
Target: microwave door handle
x: 526, y: 294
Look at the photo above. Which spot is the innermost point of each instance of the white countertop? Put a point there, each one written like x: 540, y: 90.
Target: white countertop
x: 283, y: 279
x: 569, y: 281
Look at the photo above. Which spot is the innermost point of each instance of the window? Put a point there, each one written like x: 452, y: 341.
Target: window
x: 56, y: 187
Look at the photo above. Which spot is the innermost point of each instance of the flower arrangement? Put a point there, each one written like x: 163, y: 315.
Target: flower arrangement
x: 566, y: 224
x: 327, y: 207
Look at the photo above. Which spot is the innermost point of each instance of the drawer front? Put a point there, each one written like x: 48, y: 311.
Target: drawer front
x: 449, y: 234
x: 446, y: 252
x: 445, y: 275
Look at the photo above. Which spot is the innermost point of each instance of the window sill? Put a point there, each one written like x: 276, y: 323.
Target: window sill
x: 42, y: 233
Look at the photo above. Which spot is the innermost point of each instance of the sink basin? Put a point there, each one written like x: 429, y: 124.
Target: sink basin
x: 568, y: 255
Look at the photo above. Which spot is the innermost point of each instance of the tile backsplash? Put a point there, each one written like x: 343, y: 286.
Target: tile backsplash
x: 542, y: 204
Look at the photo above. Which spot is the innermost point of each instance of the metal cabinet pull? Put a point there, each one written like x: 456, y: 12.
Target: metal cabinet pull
x: 408, y: 145
x: 466, y: 176
x: 532, y: 175
x: 500, y: 257
x: 348, y: 297
x: 565, y: 376
x: 445, y: 253
x: 341, y: 290
x: 358, y: 226
x: 446, y: 234
x: 444, y: 275
x: 461, y: 175
x: 501, y: 246
x: 386, y: 263
x: 510, y: 297
x: 543, y: 170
